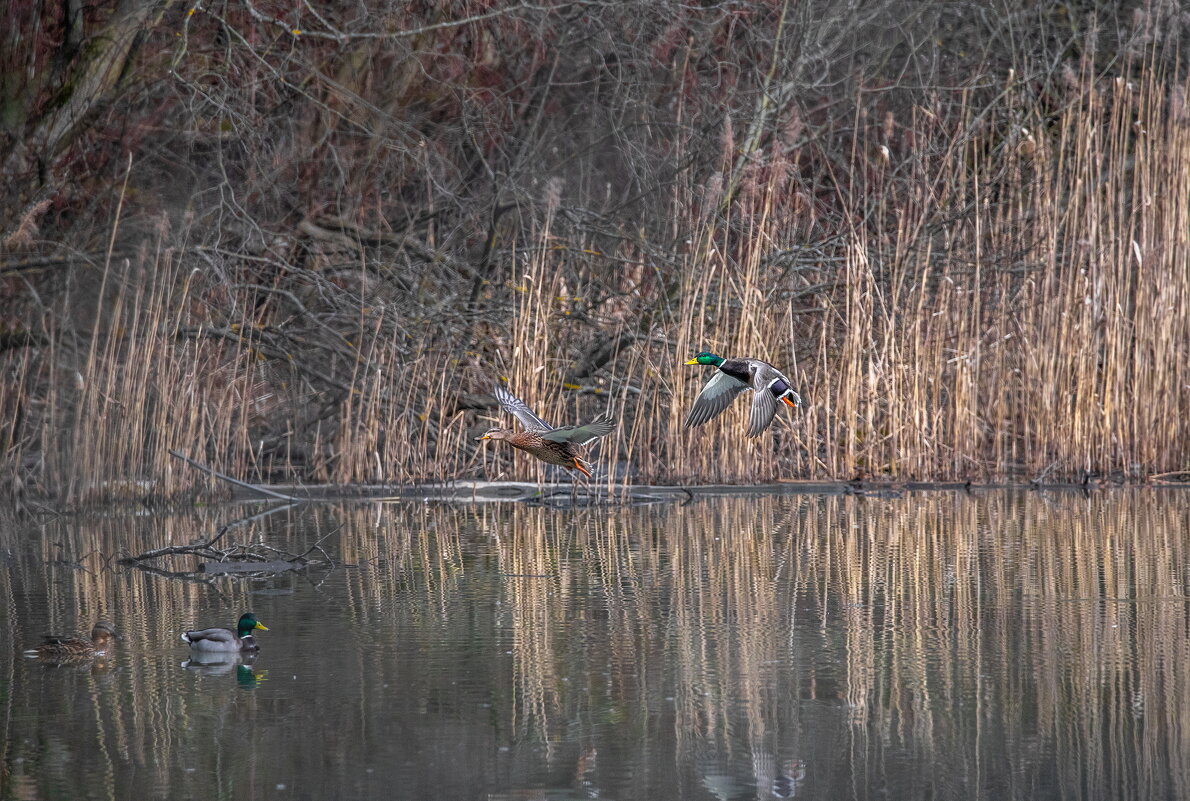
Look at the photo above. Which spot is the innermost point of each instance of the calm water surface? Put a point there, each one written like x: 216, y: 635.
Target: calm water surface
x: 1005, y: 645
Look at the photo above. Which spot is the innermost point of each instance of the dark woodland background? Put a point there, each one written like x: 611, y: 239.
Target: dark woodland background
x: 299, y: 241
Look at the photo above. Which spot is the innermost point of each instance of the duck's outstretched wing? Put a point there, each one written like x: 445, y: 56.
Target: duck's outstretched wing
x: 764, y: 407
x: 716, y: 396
x: 580, y: 435
x: 520, y: 410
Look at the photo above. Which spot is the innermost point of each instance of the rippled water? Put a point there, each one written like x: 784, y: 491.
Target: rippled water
x: 1006, y: 645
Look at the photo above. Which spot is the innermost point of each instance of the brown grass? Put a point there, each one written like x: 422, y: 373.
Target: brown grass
x: 1005, y: 296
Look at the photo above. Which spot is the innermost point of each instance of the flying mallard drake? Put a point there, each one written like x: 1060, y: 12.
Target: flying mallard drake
x: 768, y: 384
x: 558, y: 446
x: 226, y: 640
x: 103, y: 637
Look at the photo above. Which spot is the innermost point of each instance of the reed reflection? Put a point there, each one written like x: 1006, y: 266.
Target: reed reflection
x: 1007, y: 645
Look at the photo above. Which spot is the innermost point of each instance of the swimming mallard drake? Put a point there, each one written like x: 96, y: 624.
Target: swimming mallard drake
x: 226, y: 640
x: 768, y: 384
x: 103, y: 637
x: 553, y: 445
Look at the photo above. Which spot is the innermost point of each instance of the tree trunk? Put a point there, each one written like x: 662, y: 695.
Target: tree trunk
x: 88, y: 80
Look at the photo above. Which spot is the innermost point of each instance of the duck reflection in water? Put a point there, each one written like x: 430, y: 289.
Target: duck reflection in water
x: 772, y: 778
x: 788, y: 780
x: 582, y: 786
x: 584, y: 772
x: 211, y: 665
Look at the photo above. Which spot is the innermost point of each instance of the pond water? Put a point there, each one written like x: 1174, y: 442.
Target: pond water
x: 998, y: 645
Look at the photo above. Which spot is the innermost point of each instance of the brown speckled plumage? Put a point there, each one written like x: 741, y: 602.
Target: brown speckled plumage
x: 558, y: 446
x: 103, y: 635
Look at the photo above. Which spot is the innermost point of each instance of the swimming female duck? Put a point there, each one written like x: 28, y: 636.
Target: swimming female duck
x: 732, y: 376
x: 559, y: 445
x: 103, y: 637
x: 226, y: 640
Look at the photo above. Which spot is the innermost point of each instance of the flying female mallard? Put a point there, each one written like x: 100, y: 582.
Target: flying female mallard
x: 225, y: 640
x: 103, y: 637
x: 558, y: 446
x: 732, y: 376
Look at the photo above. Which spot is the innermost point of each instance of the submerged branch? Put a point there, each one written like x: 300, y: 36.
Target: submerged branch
x: 238, y: 559
x: 206, y: 549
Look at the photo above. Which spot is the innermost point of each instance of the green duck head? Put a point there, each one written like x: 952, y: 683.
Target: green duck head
x: 710, y: 359
x: 248, y: 623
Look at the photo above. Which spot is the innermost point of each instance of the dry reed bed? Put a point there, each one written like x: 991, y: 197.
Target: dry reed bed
x: 1005, y: 295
